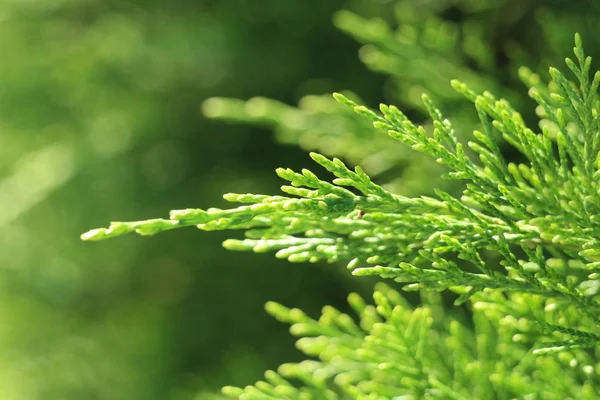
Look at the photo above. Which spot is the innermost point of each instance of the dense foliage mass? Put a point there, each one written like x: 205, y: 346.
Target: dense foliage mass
x: 520, y: 246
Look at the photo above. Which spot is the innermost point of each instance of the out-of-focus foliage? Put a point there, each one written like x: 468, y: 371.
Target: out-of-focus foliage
x: 421, y: 47
x: 100, y: 117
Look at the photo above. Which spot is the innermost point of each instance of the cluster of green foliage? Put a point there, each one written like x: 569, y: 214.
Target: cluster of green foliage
x: 99, y: 115
x: 99, y: 110
x: 519, y: 249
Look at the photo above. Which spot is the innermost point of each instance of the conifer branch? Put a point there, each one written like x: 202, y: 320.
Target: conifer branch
x: 529, y: 228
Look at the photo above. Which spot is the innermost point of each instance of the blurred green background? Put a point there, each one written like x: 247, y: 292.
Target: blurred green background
x: 100, y: 120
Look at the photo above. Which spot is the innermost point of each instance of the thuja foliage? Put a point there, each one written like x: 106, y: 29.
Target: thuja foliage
x: 519, y: 250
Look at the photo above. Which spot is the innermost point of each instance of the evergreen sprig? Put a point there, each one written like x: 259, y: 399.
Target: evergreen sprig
x: 522, y: 230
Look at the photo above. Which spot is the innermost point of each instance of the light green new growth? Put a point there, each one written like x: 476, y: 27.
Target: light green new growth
x: 522, y: 245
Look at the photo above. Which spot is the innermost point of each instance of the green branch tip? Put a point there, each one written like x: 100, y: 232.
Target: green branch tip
x: 214, y: 107
x: 94, y: 234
